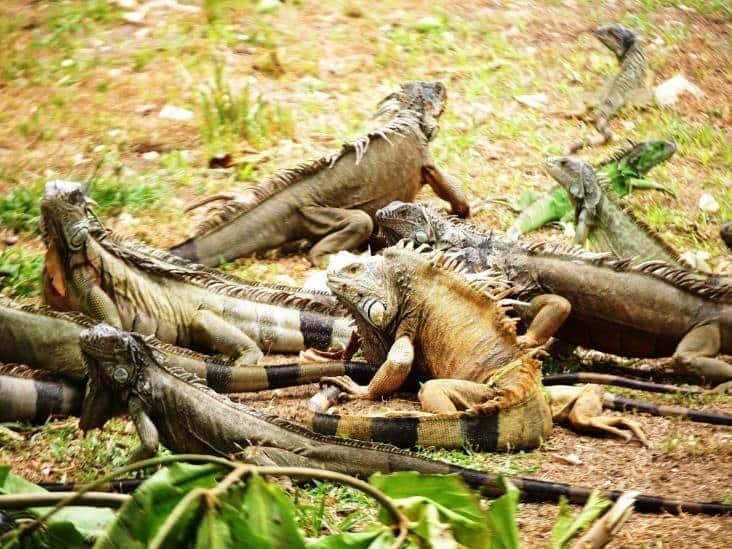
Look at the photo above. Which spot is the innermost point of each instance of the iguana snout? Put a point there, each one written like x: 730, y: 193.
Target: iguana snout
x: 616, y: 38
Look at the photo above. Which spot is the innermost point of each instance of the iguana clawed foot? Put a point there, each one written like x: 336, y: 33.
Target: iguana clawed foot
x: 351, y: 389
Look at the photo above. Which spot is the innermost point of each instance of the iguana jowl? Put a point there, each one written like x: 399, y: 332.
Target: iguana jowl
x: 649, y: 310
x: 331, y: 201
x: 416, y: 309
x: 114, y: 281
x: 623, y: 87
x: 625, y: 171
x: 169, y: 406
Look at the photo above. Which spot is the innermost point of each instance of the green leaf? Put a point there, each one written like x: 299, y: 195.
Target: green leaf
x: 565, y: 528
x: 86, y: 522
x: 502, y: 519
x: 377, y: 539
x: 445, y: 510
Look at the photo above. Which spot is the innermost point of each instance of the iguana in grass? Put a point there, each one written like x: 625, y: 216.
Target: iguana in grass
x: 628, y: 86
x: 90, y: 270
x: 331, y: 201
x: 648, y: 310
x: 415, y: 309
x: 172, y: 407
x: 625, y: 172
x: 599, y: 217
x: 48, y: 341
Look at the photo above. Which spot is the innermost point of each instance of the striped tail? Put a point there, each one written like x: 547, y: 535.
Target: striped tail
x: 35, y: 400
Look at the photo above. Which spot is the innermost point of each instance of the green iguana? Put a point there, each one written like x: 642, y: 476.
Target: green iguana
x: 599, y: 217
x: 628, y: 86
x: 172, y: 407
x: 48, y: 342
x: 649, y: 310
x: 331, y: 201
x: 92, y: 271
x: 25, y: 397
x: 415, y: 309
x: 625, y: 171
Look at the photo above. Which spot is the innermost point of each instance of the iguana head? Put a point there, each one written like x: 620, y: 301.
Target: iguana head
x: 646, y: 155
x: 418, y: 223
x: 362, y: 283
x: 425, y: 99
x: 579, y: 179
x: 64, y: 216
x: 617, y: 38
x: 114, y: 360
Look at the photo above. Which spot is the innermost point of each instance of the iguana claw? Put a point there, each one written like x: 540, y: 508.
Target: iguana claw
x: 351, y: 389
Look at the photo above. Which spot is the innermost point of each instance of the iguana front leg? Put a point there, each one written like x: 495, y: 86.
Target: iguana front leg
x: 146, y: 430
x: 446, y: 188
x: 695, y: 351
x: 212, y: 332
x: 547, y: 313
x: 338, y: 229
x: 581, y: 408
x: 388, y: 379
x: 95, y: 302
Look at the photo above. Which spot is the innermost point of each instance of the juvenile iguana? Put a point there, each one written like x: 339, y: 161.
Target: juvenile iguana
x: 92, y: 271
x: 599, y: 217
x: 415, y: 309
x: 625, y: 87
x: 171, y: 407
x: 648, y: 310
x: 625, y: 171
x: 331, y: 201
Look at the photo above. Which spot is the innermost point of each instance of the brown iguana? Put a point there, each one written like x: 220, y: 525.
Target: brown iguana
x: 172, y: 407
x: 27, y: 397
x: 625, y: 87
x: 331, y: 201
x: 92, y: 271
x: 648, y: 310
x: 416, y: 309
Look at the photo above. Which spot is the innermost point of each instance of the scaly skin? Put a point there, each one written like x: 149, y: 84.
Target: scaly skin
x: 624, y: 85
x: 48, y: 341
x: 625, y: 171
x: 27, y: 400
x: 331, y: 201
x: 187, y: 417
x: 599, y: 217
x: 126, y: 285
x: 653, y: 310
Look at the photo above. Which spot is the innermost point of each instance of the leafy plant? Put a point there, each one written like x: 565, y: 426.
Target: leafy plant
x: 20, y: 272
x: 20, y: 208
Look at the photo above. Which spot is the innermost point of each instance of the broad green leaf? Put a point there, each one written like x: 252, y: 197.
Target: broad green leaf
x: 270, y: 514
x: 377, y: 539
x: 445, y: 508
x: 502, y: 519
x: 565, y: 528
x: 89, y: 522
x: 140, y: 518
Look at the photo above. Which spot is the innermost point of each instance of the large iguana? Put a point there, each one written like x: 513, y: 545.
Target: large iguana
x: 625, y: 171
x: 415, y: 309
x: 92, y: 271
x: 625, y: 87
x: 28, y: 397
x: 649, y: 310
x: 171, y: 407
x: 599, y: 217
x: 331, y: 201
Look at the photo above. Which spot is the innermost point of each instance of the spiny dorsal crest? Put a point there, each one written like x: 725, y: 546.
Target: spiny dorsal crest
x: 22, y: 371
x: 618, y: 154
x: 69, y: 316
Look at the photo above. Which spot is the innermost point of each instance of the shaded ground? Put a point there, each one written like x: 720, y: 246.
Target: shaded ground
x: 81, y: 89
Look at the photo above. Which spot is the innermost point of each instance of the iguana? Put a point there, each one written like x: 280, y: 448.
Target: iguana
x: 625, y: 87
x: 115, y: 281
x: 172, y: 407
x: 24, y: 397
x: 415, y: 309
x: 648, y: 310
x: 48, y: 341
x: 726, y: 233
x: 331, y: 201
x: 599, y: 217
x: 625, y: 171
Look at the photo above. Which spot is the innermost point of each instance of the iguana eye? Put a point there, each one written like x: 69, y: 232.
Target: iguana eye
x: 354, y: 268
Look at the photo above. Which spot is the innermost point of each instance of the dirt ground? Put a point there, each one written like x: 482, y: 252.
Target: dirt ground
x: 82, y: 85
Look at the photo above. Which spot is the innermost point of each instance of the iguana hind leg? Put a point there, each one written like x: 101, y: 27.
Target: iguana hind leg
x: 581, y: 408
x: 338, y: 229
x: 454, y: 395
x: 448, y: 189
x: 213, y: 332
x: 146, y: 430
x: 695, y: 352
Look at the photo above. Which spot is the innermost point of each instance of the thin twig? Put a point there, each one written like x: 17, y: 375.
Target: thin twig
x: 45, y: 499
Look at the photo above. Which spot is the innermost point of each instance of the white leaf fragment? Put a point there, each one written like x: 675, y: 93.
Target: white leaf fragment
x: 179, y: 114
x: 669, y: 91
x: 534, y: 100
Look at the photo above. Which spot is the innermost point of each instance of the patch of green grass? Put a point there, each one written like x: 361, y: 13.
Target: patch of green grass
x: 327, y: 508
x: 20, y: 208
x: 20, y: 272
x: 115, y: 195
